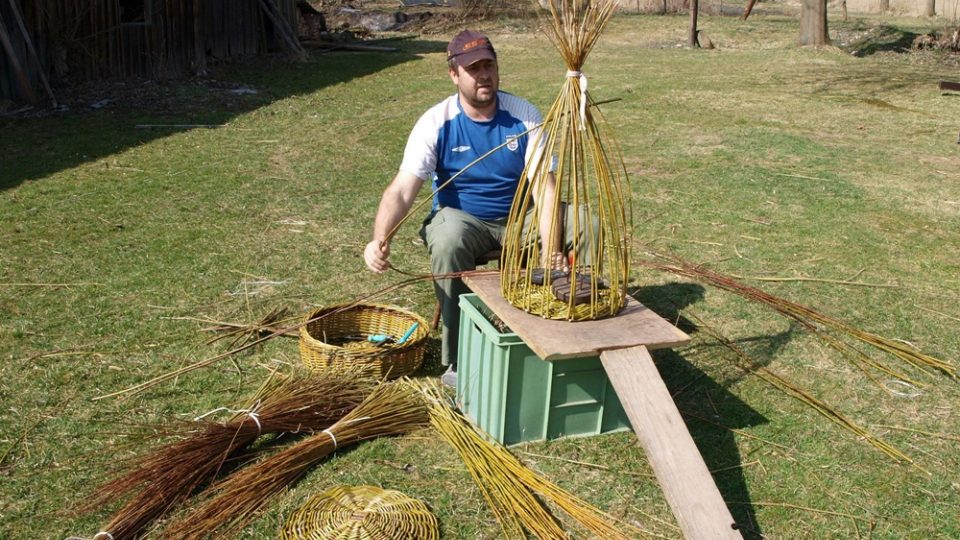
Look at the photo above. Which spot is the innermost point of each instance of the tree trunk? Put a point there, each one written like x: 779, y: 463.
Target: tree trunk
x: 884, y: 6
x: 692, y: 37
x: 813, y: 23
x: 930, y: 8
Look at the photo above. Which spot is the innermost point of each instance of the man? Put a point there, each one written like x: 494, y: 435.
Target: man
x: 469, y: 215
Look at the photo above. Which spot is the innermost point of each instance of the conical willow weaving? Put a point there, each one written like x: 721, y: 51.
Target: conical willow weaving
x: 361, y: 513
x: 566, y: 251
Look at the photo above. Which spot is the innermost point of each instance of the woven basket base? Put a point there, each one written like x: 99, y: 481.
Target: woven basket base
x: 361, y: 513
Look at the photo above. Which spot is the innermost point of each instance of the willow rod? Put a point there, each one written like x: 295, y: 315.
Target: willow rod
x: 285, y: 330
x: 419, y: 205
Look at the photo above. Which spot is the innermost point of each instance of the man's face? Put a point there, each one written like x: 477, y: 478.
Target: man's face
x: 477, y: 83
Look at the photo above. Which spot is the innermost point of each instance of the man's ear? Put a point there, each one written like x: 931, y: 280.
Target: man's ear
x: 454, y: 74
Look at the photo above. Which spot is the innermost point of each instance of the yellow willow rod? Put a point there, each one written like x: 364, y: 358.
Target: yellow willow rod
x: 393, y: 231
x: 280, y: 331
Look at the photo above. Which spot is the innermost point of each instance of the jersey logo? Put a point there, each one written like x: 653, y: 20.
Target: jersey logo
x: 512, y: 144
x: 461, y: 149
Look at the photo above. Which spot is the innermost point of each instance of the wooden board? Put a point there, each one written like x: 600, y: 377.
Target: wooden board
x: 683, y: 476
x: 556, y: 340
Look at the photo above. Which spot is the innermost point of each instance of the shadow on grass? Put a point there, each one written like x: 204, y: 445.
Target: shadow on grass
x: 880, y: 39
x: 36, y: 147
x: 709, y: 409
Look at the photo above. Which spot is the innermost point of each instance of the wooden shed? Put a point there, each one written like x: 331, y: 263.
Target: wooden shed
x: 69, y: 41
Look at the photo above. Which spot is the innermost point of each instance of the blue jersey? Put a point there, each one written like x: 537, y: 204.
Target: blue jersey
x: 445, y: 140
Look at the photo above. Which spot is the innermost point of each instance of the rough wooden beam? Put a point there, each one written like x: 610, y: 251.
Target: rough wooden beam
x: 22, y: 78
x: 951, y: 86
x: 41, y: 70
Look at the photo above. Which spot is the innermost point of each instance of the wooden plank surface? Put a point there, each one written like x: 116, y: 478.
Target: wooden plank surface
x: 683, y: 476
x: 556, y: 340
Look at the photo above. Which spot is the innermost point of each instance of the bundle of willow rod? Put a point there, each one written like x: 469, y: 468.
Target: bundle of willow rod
x: 579, y: 222
x: 169, y: 474
x: 812, y: 320
x: 392, y: 408
x: 800, y: 394
x: 509, y: 487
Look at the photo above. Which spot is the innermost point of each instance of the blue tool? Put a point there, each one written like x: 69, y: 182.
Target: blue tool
x: 409, y: 333
x: 379, y: 339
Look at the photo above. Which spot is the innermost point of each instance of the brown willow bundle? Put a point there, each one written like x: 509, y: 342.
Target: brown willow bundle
x: 169, y: 474
x: 584, y: 215
x: 509, y: 487
x: 801, y: 395
x: 392, y: 408
x: 813, y: 321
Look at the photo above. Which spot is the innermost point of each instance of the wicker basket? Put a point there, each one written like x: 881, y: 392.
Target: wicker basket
x: 361, y: 513
x: 333, y: 340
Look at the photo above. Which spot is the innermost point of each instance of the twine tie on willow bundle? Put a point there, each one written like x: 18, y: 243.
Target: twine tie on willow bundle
x: 392, y: 408
x: 167, y: 475
x: 583, y: 96
x: 566, y: 250
x: 249, y: 413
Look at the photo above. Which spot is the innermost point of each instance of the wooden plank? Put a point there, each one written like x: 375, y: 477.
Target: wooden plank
x: 947, y: 85
x: 686, y: 482
x: 556, y: 340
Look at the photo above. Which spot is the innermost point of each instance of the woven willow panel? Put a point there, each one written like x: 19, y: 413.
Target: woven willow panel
x: 361, y: 513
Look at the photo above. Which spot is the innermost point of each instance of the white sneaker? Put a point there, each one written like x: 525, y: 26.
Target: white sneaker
x: 449, y: 378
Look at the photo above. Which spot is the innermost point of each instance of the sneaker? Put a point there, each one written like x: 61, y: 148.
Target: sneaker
x: 449, y: 378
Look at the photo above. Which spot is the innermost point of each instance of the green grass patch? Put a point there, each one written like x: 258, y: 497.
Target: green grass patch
x: 756, y: 158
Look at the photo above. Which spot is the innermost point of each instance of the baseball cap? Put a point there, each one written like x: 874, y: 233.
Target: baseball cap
x: 469, y: 46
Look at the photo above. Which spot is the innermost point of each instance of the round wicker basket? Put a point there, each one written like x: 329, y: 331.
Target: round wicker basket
x: 361, y: 513
x: 334, y: 339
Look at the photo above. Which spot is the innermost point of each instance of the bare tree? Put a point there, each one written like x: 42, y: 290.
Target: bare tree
x: 694, y: 11
x: 813, y: 23
x: 930, y: 8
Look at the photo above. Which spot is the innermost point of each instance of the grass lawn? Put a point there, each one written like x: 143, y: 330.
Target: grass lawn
x: 827, y: 178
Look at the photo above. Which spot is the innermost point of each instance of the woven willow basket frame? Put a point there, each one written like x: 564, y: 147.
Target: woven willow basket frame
x: 390, y: 360
x: 361, y: 513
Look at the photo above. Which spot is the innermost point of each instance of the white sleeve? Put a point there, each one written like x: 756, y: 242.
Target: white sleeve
x: 420, y: 154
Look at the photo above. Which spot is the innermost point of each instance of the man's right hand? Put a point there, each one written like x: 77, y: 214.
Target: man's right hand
x: 376, y: 254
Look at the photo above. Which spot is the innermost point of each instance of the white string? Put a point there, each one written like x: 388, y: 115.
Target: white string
x: 583, y: 96
x: 332, y: 438
x: 103, y: 533
x: 206, y: 414
x: 256, y: 420
x: 252, y: 413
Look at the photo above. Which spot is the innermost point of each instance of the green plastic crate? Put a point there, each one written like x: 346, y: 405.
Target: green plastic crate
x: 513, y: 395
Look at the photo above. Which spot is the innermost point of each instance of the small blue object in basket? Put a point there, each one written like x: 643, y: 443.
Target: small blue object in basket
x: 409, y: 333
x: 379, y: 339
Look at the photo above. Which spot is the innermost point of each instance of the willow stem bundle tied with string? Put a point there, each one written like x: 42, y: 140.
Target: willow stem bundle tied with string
x: 168, y: 475
x: 392, y: 408
x: 584, y: 259
x: 512, y: 490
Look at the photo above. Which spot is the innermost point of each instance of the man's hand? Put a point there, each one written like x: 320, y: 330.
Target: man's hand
x: 555, y: 261
x: 376, y: 254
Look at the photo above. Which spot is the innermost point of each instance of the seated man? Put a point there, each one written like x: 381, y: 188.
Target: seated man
x: 469, y: 215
